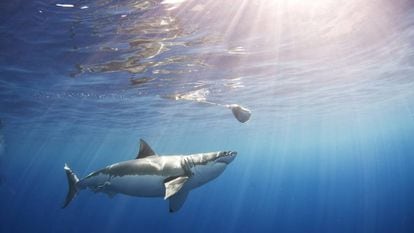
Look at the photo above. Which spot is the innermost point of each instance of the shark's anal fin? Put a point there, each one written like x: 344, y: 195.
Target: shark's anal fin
x: 172, y: 186
x: 144, y: 150
x: 177, y: 201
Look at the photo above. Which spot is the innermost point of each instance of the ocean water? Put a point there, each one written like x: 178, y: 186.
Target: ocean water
x: 330, y: 83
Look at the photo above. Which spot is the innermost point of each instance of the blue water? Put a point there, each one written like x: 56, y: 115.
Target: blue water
x: 329, y: 146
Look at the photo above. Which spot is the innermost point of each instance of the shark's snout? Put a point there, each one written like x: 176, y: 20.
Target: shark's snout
x: 226, y: 156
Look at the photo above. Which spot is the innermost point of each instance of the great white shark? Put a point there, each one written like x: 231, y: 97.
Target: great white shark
x: 151, y: 175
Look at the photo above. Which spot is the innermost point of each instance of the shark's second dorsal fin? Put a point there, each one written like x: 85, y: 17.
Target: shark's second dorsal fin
x: 144, y: 150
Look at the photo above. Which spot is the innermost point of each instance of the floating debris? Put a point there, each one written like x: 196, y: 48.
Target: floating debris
x: 242, y: 114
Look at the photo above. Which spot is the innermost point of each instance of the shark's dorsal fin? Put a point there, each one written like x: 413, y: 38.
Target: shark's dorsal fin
x: 178, y: 200
x: 172, y: 186
x: 144, y: 150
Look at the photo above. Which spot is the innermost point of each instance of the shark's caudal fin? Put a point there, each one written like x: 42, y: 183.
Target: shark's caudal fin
x: 72, y: 180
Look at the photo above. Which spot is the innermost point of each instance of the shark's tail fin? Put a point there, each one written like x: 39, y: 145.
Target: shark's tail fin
x: 72, y: 181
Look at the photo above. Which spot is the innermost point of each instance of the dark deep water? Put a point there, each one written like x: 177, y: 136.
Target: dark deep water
x: 329, y: 147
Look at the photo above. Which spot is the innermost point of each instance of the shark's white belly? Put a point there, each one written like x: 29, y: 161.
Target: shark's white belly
x: 133, y: 185
x: 137, y: 185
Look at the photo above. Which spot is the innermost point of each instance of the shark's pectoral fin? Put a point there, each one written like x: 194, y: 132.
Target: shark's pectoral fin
x: 174, y: 185
x: 178, y: 200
